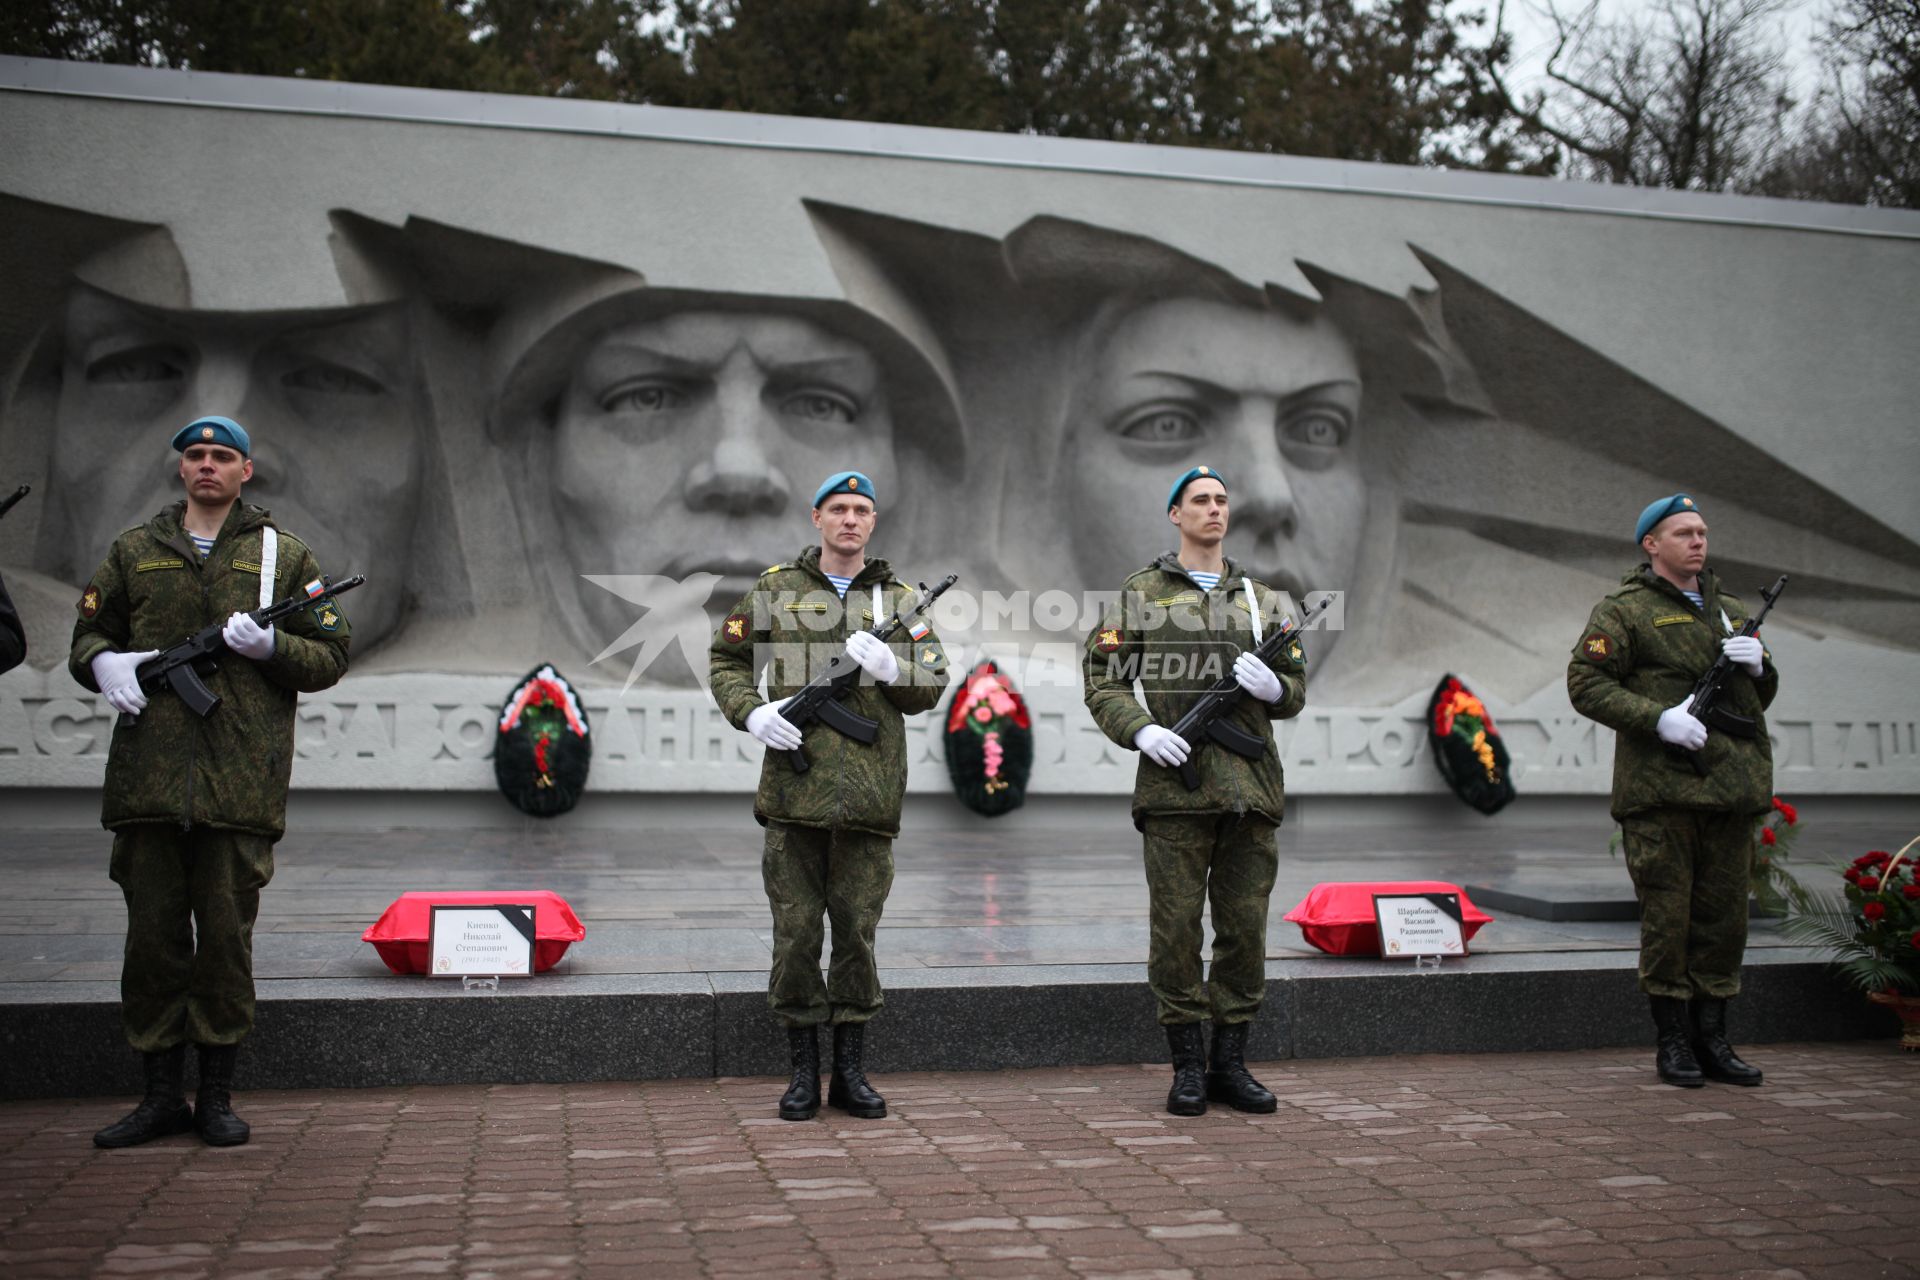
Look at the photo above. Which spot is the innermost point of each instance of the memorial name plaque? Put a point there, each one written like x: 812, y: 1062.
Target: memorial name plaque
x: 494, y: 941
x: 1419, y: 924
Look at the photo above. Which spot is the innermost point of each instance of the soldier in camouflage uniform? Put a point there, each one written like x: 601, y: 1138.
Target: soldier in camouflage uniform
x: 1689, y: 839
x: 1179, y: 625
x: 195, y: 804
x: 829, y: 841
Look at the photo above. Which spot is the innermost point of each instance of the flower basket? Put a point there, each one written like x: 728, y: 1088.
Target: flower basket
x: 1874, y: 927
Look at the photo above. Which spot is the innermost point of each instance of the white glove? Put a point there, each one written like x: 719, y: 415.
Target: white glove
x: 1257, y: 678
x: 1162, y: 746
x: 248, y: 638
x: 1678, y: 726
x: 773, y: 729
x: 113, y: 672
x: 1746, y: 651
x: 874, y: 657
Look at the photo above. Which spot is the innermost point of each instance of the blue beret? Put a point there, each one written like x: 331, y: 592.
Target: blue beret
x: 1198, y: 473
x: 1660, y: 510
x: 846, y: 482
x: 214, y: 431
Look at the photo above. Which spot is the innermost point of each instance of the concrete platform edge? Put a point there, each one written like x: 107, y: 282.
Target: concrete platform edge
x: 700, y: 1027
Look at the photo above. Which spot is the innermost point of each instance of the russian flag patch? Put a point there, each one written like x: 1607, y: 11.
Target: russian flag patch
x: 316, y: 588
x: 919, y: 629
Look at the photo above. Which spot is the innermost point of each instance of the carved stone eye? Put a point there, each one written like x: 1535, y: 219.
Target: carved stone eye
x: 821, y: 406
x: 331, y: 379
x: 143, y: 364
x: 1162, y: 425
x: 1317, y: 428
x: 645, y: 397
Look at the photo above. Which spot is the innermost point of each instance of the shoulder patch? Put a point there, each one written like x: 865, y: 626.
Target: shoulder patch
x: 326, y: 614
x: 1298, y: 654
x: 736, y: 629
x: 89, y: 601
x: 1107, y: 639
x: 1597, y: 647
x: 930, y: 657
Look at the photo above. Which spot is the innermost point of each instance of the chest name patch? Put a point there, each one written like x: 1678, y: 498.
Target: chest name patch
x: 148, y: 566
x: 1674, y: 620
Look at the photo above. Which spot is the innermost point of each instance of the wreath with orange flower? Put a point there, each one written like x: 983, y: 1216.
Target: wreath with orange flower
x: 1467, y: 747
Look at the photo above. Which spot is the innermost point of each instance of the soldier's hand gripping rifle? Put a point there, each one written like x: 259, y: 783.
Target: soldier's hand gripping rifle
x: 182, y: 667
x: 1704, y: 703
x: 819, y: 699
x: 6, y: 504
x: 1207, y: 719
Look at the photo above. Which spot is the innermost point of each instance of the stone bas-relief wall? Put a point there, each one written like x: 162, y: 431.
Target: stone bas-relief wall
x: 561, y: 397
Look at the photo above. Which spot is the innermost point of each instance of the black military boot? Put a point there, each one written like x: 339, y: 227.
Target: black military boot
x: 1228, y: 1079
x: 1673, y: 1051
x: 850, y: 1091
x: 802, y: 1098
x: 1717, y: 1059
x: 163, y: 1112
x: 213, y: 1105
x: 1188, y: 1097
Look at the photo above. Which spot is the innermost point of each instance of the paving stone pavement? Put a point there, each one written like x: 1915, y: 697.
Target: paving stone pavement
x: 1499, y: 1167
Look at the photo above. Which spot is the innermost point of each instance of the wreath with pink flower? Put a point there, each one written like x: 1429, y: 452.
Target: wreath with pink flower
x: 989, y: 742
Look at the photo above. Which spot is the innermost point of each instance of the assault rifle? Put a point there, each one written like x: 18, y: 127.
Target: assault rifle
x: 182, y: 667
x: 1207, y: 718
x: 6, y: 504
x: 819, y: 699
x: 1704, y: 703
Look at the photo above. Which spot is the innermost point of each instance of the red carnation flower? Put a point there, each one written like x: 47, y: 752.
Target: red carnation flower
x: 1791, y: 814
x: 1767, y: 836
x: 1873, y: 911
x: 1912, y: 891
x: 1915, y: 940
x: 1879, y: 856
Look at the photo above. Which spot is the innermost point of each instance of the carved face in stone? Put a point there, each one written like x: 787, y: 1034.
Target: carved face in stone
x: 1270, y: 400
x: 328, y: 398
x: 693, y: 442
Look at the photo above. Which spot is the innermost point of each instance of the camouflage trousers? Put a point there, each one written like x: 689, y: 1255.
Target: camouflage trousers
x: 1226, y: 861
x: 1690, y: 870
x: 192, y: 897
x: 843, y: 876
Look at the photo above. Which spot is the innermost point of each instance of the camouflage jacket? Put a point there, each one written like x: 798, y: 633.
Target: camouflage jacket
x: 792, y: 623
x: 1164, y: 626
x: 229, y: 770
x: 1643, y: 648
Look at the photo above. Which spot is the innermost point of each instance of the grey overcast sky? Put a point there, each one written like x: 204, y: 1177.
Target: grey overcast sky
x: 1533, y: 34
